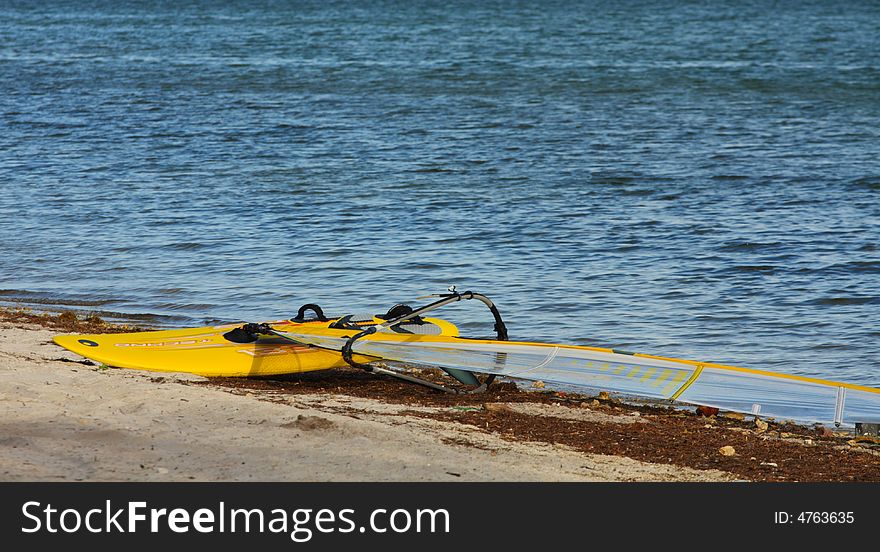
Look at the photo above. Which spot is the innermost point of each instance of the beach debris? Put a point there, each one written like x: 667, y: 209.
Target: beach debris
x: 761, y: 425
x: 734, y: 416
x: 497, y: 408
x: 707, y: 411
x: 863, y: 441
x: 595, y: 404
x: 309, y: 423
x: 604, y: 396
x: 727, y: 450
x: 825, y: 432
x: 84, y: 362
x: 67, y: 317
x: 770, y: 464
x: 868, y: 429
x: 538, y: 384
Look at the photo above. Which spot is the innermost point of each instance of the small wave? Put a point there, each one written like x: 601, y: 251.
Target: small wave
x: 747, y: 246
x: 170, y: 291
x: 756, y: 268
x: 613, y: 180
x: 50, y: 124
x: 24, y: 297
x: 432, y: 170
x: 186, y: 306
x: 149, y: 319
x: 827, y: 346
x: 185, y: 246
x: 637, y: 192
x: 847, y: 268
x: 870, y: 182
x: 864, y: 266
x: 59, y: 302
x: 158, y: 320
x: 19, y: 292
x: 842, y: 301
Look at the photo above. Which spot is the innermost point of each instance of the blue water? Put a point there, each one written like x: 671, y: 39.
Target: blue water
x: 689, y: 179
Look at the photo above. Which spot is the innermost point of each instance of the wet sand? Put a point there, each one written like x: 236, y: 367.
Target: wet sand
x: 66, y: 418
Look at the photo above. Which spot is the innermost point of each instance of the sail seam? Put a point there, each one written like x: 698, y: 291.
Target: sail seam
x: 543, y: 363
x: 688, y: 383
x: 838, y: 407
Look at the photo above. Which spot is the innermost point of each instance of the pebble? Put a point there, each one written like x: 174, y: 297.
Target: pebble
x: 761, y: 425
x: 727, y: 450
x: 706, y: 411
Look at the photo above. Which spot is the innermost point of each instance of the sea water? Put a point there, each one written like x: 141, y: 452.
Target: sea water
x: 699, y: 180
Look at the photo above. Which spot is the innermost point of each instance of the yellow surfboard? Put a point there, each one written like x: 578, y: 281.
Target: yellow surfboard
x: 204, y: 351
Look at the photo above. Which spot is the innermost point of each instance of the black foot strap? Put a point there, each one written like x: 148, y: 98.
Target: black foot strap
x: 247, y: 333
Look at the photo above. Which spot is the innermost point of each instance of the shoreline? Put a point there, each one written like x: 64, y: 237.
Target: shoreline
x: 66, y: 418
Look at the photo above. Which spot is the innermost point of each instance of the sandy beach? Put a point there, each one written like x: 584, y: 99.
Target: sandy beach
x: 68, y: 419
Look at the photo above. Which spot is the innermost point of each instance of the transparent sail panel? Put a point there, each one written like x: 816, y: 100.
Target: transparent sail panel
x: 861, y: 406
x: 728, y: 388
x: 595, y: 369
x: 772, y: 397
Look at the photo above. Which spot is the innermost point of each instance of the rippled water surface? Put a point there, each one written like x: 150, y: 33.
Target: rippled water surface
x: 697, y: 180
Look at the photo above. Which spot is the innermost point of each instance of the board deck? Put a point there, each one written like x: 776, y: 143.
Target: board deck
x: 204, y: 351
